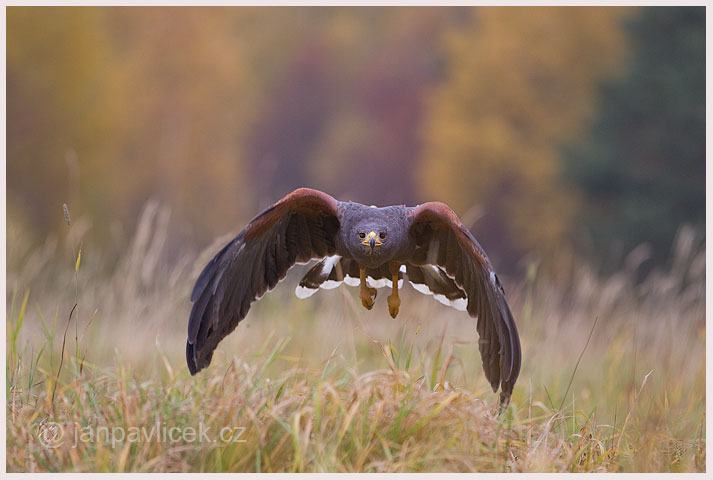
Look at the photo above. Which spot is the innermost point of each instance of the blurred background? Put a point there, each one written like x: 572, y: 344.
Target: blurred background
x: 554, y: 132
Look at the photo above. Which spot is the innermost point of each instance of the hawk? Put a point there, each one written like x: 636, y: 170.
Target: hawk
x: 362, y: 246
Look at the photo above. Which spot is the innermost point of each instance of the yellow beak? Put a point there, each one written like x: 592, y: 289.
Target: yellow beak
x: 372, y: 240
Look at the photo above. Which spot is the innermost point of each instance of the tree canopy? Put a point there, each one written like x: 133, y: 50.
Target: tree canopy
x: 543, y: 127
x: 518, y: 83
x: 641, y: 170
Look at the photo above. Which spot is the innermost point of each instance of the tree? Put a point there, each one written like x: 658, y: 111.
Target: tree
x: 108, y: 107
x: 518, y: 82
x: 641, y: 169
x: 343, y: 112
x: 62, y: 104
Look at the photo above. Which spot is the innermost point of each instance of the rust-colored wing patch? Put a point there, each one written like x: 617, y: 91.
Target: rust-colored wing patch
x: 441, y: 216
x: 304, y: 201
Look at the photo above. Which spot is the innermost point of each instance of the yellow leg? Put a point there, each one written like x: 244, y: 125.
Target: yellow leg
x: 366, y: 293
x: 393, y: 300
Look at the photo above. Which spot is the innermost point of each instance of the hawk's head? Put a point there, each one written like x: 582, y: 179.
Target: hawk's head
x: 373, y: 236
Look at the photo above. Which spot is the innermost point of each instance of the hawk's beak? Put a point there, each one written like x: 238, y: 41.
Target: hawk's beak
x: 371, y: 240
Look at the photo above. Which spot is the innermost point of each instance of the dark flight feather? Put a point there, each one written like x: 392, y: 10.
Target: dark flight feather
x: 434, y: 226
x: 253, y: 263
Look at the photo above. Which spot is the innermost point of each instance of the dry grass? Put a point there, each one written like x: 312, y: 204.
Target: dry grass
x: 322, y: 385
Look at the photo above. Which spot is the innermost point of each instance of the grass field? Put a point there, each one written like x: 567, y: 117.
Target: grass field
x: 323, y: 385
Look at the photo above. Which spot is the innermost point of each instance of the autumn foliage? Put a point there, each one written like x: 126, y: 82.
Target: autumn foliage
x: 218, y: 112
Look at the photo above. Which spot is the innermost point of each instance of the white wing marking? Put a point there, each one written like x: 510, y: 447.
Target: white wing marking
x: 458, y: 303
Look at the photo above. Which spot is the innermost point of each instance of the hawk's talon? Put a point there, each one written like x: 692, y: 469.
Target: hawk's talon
x: 394, y: 303
x: 367, y: 295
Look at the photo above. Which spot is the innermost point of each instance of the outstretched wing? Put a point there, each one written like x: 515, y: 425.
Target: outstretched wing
x: 444, y: 241
x: 300, y: 227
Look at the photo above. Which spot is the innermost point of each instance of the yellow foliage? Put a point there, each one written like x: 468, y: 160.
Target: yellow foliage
x: 520, y: 82
x: 218, y: 111
x: 62, y: 106
x: 111, y: 106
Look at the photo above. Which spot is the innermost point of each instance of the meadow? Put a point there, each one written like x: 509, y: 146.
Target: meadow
x: 613, y: 376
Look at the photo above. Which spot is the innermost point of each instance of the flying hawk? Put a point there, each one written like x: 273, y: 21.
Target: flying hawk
x: 358, y: 245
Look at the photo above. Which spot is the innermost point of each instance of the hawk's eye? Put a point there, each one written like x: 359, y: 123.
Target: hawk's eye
x: 362, y: 235
x: 382, y: 235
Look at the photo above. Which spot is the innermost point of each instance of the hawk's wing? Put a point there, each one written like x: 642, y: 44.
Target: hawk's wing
x: 443, y: 240
x: 300, y: 227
